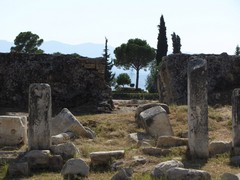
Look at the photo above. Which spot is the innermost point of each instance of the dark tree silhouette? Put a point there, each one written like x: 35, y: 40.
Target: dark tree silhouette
x: 176, y: 43
x: 237, y: 52
x: 109, y: 76
x: 27, y: 42
x: 162, y: 46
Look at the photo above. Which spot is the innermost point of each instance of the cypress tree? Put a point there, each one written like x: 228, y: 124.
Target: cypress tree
x: 162, y: 46
x: 237, y: 52
x: 109, y: 76
x: 176, y: 42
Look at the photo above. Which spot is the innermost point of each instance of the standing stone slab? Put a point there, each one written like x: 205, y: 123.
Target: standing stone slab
x: 197, y: 109
x: 40, y: 112
x: 236, y: 118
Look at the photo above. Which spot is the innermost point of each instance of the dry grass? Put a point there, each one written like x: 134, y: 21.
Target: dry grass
x: 112, y: 131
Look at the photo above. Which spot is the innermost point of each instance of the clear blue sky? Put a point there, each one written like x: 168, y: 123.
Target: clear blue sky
x: 204, y: 26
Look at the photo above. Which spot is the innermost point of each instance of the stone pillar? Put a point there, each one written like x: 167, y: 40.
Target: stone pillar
x: 236, y: 118
x: 197, y: 109
x: 40, y: 114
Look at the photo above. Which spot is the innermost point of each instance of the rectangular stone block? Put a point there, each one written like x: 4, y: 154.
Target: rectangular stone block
x: 13, y: 130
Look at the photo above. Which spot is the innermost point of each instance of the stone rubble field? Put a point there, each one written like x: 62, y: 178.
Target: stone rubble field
x: 124, y: 144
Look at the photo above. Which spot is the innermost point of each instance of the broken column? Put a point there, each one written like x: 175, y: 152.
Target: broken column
x: 236, y: 119
x: 40, y: 113
x: 197, y: 108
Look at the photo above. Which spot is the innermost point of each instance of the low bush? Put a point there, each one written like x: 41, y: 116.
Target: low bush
x: 141, y: 96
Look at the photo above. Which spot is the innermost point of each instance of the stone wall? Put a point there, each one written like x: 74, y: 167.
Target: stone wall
x: 223, y: 77
x: 74, y: 81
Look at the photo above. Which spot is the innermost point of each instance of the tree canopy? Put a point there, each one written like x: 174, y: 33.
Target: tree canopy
x: 176, y: 43
x: 136, y: 54
x: 162, y: 46
x: 123, y: 79
x: 27, y: 42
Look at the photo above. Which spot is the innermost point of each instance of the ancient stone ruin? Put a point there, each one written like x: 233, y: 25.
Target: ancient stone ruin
x: 223, y: 77
x: 197, y: 108
x: 74, y: 81
x: 42, y: 153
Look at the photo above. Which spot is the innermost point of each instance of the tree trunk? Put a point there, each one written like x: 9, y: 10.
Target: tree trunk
x: 137, y: 78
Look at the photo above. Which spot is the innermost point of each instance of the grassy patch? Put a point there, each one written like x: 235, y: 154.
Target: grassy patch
x: 3, y: 170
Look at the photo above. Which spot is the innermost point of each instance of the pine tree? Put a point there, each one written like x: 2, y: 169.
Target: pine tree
x: 162, y: 46
x: 237, y: 52
x: 109, y: 76
x: 176, y: 42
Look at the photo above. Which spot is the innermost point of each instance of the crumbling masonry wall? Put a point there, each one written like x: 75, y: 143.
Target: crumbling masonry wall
x: 74, y: 81
x: 223, y: 77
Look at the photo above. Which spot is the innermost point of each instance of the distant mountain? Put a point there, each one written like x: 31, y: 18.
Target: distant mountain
x: 49, y: 47
x: 86, y: 49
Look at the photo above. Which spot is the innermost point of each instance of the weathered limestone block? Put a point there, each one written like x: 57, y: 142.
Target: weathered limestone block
x: 156, y: 122
x: 160, y: 170
x: 13, y: 130
x: 154, y: 151
x: 179, y: 173
x: 143, y: 107
x: 62, y: 138
x: 197, y: 109
x: 219, y: 147
x: 66, y: 150
x: 75, y: 167
x: 56, y: 163
x: 40, y: 113
x: 65, y: 121
x: 171, y: 141
x: 105, y: 157
x: 229, y: 176
x: 236, y: 118
x: 123, y: 174
x: 37, y: 159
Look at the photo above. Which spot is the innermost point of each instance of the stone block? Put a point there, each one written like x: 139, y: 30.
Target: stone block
x: 56, y: 163
x: 171, y: 141
x: 144, y: 107
x: 65, y: 121
x: 178, y: 173
x: 75, y: 167
x: 13, y: 130
x: 156, y: 122
x: 66, y: 150
x: 219, y: 147
x: 37, y: 159
x: 160, y: 170
x: 105, y: 157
